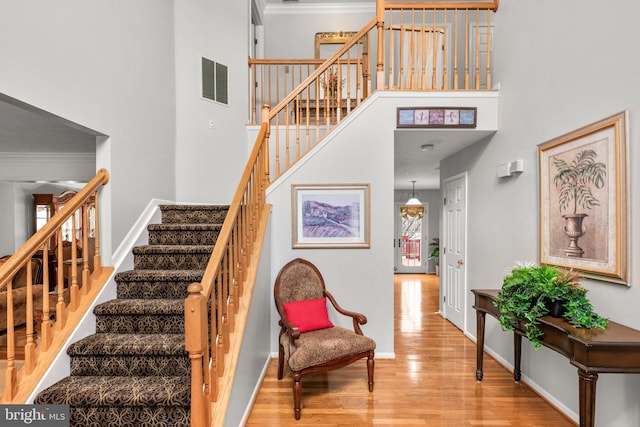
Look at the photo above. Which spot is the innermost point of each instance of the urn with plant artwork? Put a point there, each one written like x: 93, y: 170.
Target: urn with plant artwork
x: 575, y: 181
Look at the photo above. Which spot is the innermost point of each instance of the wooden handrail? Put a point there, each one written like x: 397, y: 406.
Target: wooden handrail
x: 38, y: 356
x: 19, y: 258
x: 481, y: 5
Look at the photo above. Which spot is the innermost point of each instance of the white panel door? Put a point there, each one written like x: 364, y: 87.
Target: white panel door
x: 454, y: 249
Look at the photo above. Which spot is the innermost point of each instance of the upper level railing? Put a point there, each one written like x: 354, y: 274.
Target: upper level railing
x: 424, y: 46
x: 38, y: 313
x: 222, y: 283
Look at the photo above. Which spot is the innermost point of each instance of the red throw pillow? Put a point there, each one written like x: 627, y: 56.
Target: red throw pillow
x: 308, y: 315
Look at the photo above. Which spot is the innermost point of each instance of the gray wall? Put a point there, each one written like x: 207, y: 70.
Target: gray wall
x: 557, y: 73
x: 360, y: 279
x: 109, y: 67
x: 207, y: 157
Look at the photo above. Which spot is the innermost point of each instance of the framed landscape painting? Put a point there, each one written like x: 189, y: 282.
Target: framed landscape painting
x: 584, y: 209
x: 330, y: 216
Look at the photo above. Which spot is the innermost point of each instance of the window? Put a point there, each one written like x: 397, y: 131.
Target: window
x: 214, y: 81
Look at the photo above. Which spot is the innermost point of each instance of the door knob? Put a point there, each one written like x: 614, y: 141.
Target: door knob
x: 460, y: 262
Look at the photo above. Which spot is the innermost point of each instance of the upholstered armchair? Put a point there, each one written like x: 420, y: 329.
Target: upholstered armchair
x: 308, y: 340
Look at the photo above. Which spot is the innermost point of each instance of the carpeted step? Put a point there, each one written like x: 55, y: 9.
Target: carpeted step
x: 156, y: 284
x: 111, y: 354
x: 169, y: 257
x: 197, y: 214
x: 183, y: 234
x: 123, y: 401
x: 140, y: 316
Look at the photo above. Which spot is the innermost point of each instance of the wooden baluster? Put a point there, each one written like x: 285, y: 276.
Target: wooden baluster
x: 392, y: 77
x: 435, y: 36
x: 307, y: 121
x: 60, y: 311
x: 10, y: 379
x: 75, y: 289
x: 412, y: 52
x: 488, y: 72
x: 297, y: 125
x: 277, y: 126
x: 46, y: 325
x: 401, y: 81
x: 477, y: 48
x: 445, y: 83
x: 380, y: 64
x: 30, y: 346
x: 86, y: 279
x: 466, y: 50
x: 220, y: 323
x: 97, y: 257
x: 455, y: 49
x: 424, y: 50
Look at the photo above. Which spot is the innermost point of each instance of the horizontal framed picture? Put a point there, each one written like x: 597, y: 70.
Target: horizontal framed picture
x: 436, y: 117
x: 584, y: 197
x: 330, y: 216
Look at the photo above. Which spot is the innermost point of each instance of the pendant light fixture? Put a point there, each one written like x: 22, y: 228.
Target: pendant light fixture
x: 413, y: 207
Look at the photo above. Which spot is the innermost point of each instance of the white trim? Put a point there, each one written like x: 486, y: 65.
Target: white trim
x: 313, y: 9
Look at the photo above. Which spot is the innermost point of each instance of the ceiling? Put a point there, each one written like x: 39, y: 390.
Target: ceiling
x: 27, y: 129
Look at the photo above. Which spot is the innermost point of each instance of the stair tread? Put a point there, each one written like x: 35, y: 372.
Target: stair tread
x: 140, y: 306
x: 159, y: 275
x: 109, y: 344
x: 99, y: 391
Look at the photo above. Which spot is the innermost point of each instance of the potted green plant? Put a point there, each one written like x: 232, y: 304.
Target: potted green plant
x: 435, y: 253
x: 529, y: 292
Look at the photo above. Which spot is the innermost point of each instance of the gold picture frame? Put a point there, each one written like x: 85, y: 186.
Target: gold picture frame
x: 584, y: 209
x: 330, y: 216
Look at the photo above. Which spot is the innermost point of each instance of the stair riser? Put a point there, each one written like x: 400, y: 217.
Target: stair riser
x: 140, y: 416
x: 213, y: 216
x: 152, y: 290
x: 140, y: 324
x: 170, y: 237
x: 130, y: 365
x: 171, y: 261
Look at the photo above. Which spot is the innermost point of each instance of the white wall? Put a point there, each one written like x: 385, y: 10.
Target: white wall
x: 210, y: 161
x: 298, y: 26
x: 561, y: 65
x: 108, y: 66
x: 360, y: 279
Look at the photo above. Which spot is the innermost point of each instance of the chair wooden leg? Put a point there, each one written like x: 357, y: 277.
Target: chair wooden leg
x: 370, y: 366
x: 297, y: 395
x: 280, y: 362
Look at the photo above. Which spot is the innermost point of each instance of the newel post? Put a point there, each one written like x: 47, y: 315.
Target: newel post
x: 195, y: 332
x: 380, y: 62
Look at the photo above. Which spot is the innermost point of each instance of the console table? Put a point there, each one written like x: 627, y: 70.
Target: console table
x: 615, y: 349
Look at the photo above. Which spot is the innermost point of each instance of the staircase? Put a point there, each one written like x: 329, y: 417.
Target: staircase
x: 134, y: 369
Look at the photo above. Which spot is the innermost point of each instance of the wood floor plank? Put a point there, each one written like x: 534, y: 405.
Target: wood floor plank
x: 430, y: 383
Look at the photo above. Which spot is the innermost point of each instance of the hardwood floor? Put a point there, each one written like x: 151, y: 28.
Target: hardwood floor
x: 430, y: 383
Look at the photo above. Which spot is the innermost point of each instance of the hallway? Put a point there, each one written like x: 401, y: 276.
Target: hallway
x: 430, y: 383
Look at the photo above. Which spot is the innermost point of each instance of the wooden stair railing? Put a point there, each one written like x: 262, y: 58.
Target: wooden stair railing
x: 55, y: 323
x: 423, y: 46
x: 225, y: 282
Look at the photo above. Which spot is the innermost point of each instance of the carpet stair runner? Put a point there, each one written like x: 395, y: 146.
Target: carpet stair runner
x: 134, y: 370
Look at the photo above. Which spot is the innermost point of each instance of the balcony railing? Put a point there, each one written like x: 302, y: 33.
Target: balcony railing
x: 444, y: 46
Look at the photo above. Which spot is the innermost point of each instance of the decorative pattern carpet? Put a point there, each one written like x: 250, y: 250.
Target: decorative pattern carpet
x: 134, y: 371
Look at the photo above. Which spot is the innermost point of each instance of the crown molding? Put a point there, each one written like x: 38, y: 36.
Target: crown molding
x: 325, y: 8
